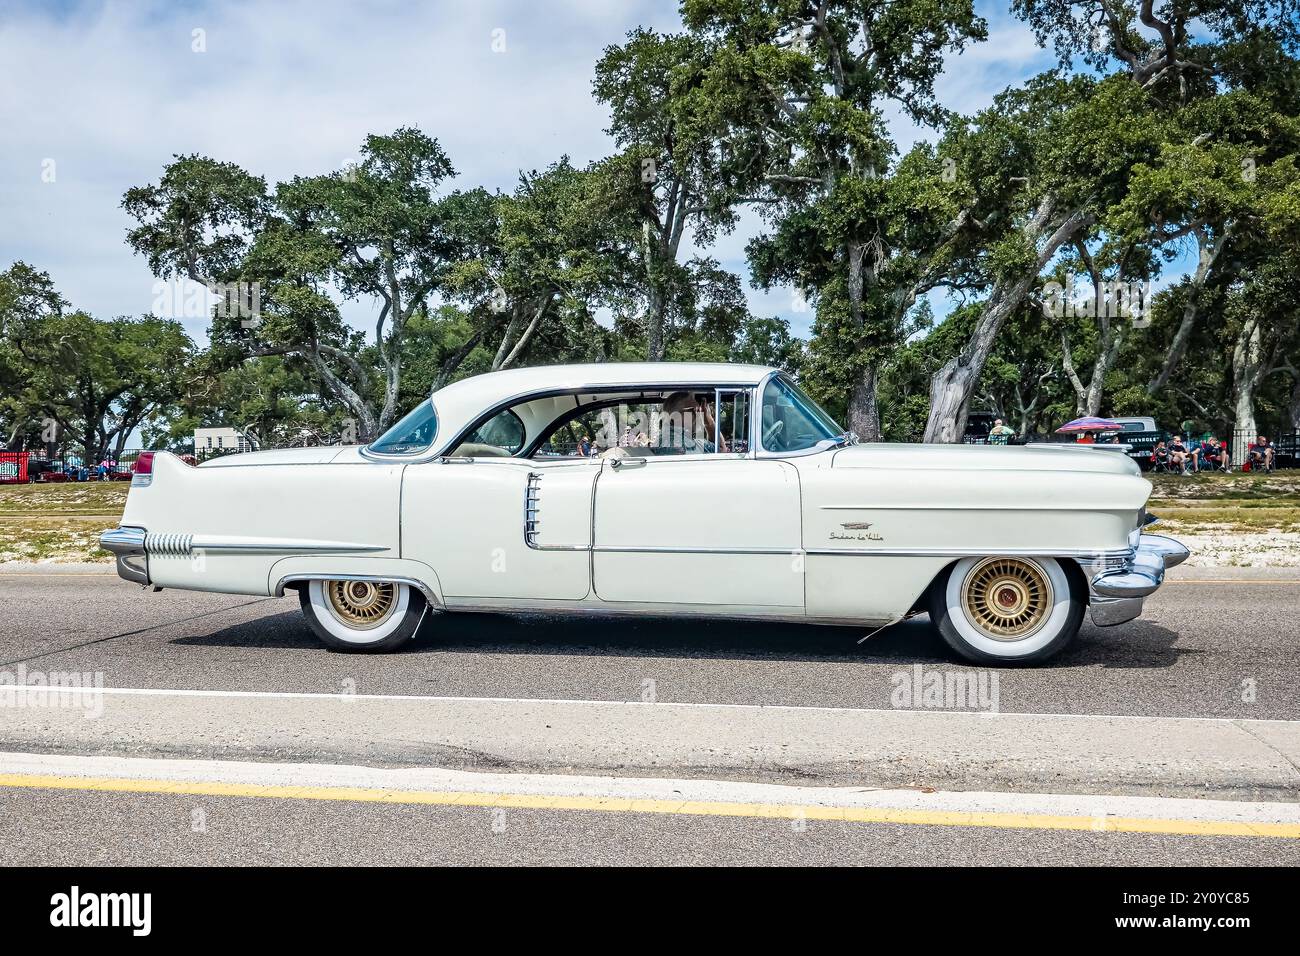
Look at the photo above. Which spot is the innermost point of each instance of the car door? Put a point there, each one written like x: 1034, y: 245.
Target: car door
x: 475, y: 522
x: 700, y: 531
x: 475, y: 517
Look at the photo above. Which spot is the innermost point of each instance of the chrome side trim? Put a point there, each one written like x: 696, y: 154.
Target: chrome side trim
x: 780, y: 613
x: 175, y: 545
x: 930, y: 506
x: 379, y: 578
x: 648, y: 549
x: 1099, y: 558
x: 1077, y: 553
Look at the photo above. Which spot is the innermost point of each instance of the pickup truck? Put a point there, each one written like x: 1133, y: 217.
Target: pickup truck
x: 1141, y: 435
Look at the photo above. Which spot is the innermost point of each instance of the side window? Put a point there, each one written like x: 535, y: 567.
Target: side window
x: 674, y: 422
x: 791, y: 420
x: 499, y: 437
x: 578, y: 436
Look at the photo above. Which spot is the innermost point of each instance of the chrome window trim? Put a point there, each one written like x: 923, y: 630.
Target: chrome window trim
x: 436, y: 451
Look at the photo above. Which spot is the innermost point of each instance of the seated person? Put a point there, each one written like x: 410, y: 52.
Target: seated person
x: 1160, y: 456
x: 1178, y: 454
x: 1000, y: 434
x: 1260, y: 454
x: 1225, y: 457
x: 1212, y: 453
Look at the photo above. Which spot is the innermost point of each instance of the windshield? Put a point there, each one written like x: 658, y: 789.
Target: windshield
x: 791, y: 420
x: 412, y: 434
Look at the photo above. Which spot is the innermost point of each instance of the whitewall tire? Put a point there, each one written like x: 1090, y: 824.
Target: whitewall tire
x: 1007, y: 610
x: 371, y: 616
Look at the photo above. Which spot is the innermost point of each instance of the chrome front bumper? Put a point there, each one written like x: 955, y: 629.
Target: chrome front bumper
x: 127, y: 545
x: 1118, y: 592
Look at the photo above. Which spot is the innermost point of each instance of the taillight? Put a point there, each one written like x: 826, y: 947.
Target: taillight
x: 143, y: 469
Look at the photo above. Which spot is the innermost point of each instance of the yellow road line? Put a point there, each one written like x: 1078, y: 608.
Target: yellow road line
x: 1243, y: 582
x: 959, y: 818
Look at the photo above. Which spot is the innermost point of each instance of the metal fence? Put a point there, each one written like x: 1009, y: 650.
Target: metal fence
x: 62, y: 466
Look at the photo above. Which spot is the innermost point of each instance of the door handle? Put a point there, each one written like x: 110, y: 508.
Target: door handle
x: 627, y: 463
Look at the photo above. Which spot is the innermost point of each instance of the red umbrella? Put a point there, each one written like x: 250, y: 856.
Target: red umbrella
x: 1090, y: 425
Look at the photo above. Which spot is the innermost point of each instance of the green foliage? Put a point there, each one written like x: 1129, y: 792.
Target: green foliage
x: 1167, y: 128
x: 100, y: 380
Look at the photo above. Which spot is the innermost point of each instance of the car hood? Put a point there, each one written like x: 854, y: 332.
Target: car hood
x: 1094, y: 459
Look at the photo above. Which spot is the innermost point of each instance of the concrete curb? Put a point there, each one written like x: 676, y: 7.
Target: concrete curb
x: 1148, y: 756
x: 57, y: 567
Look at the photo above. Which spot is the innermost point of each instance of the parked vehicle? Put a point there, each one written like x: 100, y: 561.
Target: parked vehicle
x: 744, y: 501
x: 1142, y: 435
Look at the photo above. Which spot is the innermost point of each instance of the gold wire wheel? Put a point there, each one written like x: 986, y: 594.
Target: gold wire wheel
x: 361, y: 604
x: 1007, y: 598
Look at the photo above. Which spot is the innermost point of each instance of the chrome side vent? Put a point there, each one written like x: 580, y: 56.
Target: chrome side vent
x: 532, y: 496
x: 169, y: 545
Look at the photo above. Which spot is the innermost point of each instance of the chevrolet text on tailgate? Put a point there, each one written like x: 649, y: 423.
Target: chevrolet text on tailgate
x: 655, y: 489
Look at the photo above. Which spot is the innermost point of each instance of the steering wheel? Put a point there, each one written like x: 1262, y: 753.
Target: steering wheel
x: 770, y: 436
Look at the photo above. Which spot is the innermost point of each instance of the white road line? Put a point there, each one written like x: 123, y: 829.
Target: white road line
x: 590, y: 702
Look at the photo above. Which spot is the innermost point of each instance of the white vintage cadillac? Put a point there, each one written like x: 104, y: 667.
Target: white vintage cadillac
x: 655, y: 489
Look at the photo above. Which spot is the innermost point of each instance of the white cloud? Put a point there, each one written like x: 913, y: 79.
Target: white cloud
x: 112, y: 90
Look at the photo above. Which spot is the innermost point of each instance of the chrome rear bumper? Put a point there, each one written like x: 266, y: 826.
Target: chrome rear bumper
x: 127, y: 545
x: 1117, y: 593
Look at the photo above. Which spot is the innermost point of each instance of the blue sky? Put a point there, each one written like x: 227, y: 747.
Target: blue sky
x: 103, y: 94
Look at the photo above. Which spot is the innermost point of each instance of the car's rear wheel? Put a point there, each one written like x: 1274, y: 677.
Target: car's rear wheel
x: 1007, y: 610
x: 362, y: 616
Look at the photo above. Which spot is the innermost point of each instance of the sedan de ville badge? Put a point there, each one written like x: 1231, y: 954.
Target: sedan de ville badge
x: 858, y: 531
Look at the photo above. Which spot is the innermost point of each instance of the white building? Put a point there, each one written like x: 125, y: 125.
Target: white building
x: 208, y: 441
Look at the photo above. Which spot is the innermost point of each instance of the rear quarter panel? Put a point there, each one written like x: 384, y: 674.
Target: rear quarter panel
x: 262, y: 503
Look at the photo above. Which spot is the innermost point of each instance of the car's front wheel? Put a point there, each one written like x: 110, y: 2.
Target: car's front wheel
x: 373, y: 616
x: 1007, y: 610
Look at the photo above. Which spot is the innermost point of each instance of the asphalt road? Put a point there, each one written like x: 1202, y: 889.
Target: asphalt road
x: 1228, y: 647
x: 75, y: 829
